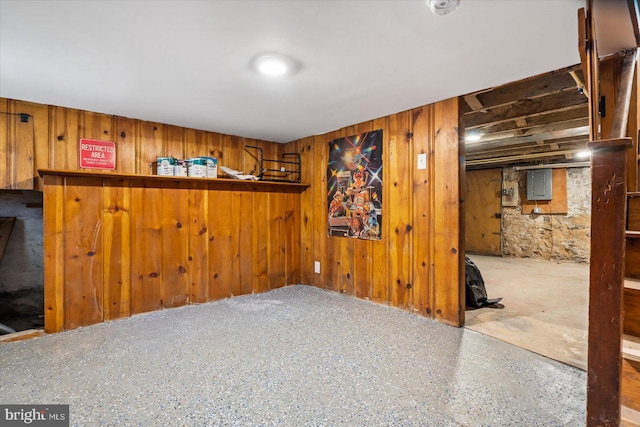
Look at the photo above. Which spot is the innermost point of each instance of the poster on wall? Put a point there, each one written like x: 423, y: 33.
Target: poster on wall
x: 354, y: 186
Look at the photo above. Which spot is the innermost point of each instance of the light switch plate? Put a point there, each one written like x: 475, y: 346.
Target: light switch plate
x: 316, y: 267
x: 422, y: 161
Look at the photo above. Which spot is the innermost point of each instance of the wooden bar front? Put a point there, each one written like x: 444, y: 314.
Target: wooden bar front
x: 118, y: 244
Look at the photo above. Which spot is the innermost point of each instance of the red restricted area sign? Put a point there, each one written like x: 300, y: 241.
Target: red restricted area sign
x: 95, y: 154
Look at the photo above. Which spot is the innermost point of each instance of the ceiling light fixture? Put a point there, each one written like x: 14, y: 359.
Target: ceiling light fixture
x: 472, y: 136
x: 585, y: 154
x: 442, y: 7
x: 274, y: 64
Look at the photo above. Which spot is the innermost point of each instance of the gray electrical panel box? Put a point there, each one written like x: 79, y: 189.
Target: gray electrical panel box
x: 539, y: 184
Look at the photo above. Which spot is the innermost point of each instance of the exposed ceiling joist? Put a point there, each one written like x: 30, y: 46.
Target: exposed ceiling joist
x: 540, y: 119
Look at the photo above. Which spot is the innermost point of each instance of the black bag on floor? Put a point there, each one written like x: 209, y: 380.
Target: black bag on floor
x: 476, y: 293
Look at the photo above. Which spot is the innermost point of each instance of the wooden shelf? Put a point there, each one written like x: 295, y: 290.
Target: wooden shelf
x: 212, y: 183
x: 631, y: 348
x: 632, y: 234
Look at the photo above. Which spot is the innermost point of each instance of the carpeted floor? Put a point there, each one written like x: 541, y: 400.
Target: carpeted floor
x: 296, y: 356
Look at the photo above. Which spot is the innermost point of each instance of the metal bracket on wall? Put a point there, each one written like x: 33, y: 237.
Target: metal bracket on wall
x: 277, y: 169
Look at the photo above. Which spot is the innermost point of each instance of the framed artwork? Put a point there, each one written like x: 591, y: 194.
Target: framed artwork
x: 354, y: 186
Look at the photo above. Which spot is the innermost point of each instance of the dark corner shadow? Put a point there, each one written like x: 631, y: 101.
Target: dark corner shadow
x: 497, y: 306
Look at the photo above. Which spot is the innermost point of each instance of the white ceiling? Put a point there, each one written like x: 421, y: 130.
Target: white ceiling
x: 187, y: 62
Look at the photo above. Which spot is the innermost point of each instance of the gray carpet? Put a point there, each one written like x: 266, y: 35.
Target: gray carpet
x: 291, y: 357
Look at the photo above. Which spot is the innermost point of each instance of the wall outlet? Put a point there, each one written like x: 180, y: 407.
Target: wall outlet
x: 422, y: 161
x: 316, y: 267
x: 537, y: 210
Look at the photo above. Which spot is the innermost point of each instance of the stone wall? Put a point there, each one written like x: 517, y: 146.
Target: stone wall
x: 557, y: 236
x: 22, y: 266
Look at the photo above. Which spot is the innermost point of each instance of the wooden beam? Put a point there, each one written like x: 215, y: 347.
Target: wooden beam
x: 473, y: 102
x: 526, y: 108
x: 634, y: 15
x: 521, y: 122
x: 623, y: 97
x: 534, y: 87
x: 569, y: 127
x: 549, y: 117
x: 573, y: 146
x: 604, y: 368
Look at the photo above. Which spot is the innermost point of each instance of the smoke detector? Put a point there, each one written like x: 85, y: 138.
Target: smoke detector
x: 442, y: 7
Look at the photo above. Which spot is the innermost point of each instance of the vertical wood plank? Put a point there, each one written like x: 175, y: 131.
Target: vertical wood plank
x: 195, y: 143
x: 276, y: 245
x: 215, y: 145
x: 96, y: 126
x: 64, y: 138
x: 126, y: 136
x: 448, y: 290
x: 149, y: 146
x: 362, y: 249
x: 175, y: 243
x: 400, y: 219
x: 5, y: 137
x: 233, y: 155
x: 222, y: 259
x: 243, y: 245
x: 238, y: 251
x: 41, y: 150
x: 20, y: 138
x: 306, y: 147
x: 380, y: 249
x: 633, y: 126
x: 34, y: 134
x: 251, y: 156
x: 173, y: 142
x: 83, y: 291
x: 146, y: 246
x: 54, y: 254
x: 198, y: 242
x: 326, y: 248
x: 422, y: 122
x: 260, y: 242
x: 117, y: 250
x: 292, y: 239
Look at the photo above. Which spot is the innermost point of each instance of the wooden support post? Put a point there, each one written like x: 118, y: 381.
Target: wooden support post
x: 609, y: 168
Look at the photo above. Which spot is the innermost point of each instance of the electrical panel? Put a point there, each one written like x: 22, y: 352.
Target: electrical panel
x: 539, y: 184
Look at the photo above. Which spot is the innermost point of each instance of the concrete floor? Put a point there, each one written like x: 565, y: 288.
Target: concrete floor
x: 291, y: 357
x: 545, y: 307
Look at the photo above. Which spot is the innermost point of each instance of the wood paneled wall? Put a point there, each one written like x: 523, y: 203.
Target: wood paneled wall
x: 50, y: 139
x: 417, y: 264
x: 129, y: 245
x: 125, y: 245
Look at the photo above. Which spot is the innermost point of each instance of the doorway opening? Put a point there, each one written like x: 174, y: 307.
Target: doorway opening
x: 532, y: 253
x: 22, y: 262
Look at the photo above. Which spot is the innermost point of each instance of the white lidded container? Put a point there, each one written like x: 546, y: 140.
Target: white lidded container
x: 212, y: 166
x: 181, y: 168
x: 165, y: 166
x: 197, y: 167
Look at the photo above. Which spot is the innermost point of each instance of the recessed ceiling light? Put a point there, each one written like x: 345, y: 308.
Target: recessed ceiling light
x: 585, y: 154
x: 274, y: 64
x: 442, y: 7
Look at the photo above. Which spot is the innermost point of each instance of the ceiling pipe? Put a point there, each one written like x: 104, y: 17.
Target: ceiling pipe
x: 579, y: 83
